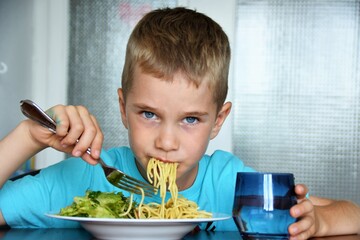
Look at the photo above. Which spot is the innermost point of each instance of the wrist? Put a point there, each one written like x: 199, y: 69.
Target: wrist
x: 321, y: 224
x: 16, y: 148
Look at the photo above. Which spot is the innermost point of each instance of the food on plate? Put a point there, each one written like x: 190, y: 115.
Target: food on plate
x: 96, y: 204
x: 114, y: 205
x: 163, y: 176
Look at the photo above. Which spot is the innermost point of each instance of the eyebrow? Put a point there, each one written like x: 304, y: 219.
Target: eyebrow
x: 196, y: 113
x: 152, y: 109
x: 144, y: 106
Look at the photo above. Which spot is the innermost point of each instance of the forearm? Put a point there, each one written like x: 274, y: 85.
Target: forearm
x: 338, y: 218
x: 2, y: 220
x: 15, y: 149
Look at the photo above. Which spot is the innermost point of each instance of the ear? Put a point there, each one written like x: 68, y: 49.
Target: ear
x: 122, y: 108
x: 220, y: 119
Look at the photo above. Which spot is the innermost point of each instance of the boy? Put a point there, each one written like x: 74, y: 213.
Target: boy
x: 172, y: 102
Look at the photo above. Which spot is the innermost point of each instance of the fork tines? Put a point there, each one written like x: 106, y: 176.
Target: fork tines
x: 133, y: 185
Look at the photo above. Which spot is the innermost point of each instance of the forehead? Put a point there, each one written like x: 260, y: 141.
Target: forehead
x: 175, y: 92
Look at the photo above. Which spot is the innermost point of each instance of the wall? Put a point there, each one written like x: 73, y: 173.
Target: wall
x: 34, y: 48
x: 15, y: 60
x: 33, y: 60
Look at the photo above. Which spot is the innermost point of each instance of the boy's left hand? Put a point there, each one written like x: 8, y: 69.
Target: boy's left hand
x: 304, y: 211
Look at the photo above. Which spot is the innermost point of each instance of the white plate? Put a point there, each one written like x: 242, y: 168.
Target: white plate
x: 109, y: 228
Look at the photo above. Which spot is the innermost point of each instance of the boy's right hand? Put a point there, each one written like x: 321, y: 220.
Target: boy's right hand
x: 76, y: 131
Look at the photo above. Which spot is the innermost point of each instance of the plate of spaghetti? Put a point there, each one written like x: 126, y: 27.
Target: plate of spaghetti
x: 110, y: 215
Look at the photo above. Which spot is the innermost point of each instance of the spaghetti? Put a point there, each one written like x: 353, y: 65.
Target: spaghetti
x: 163, y: 176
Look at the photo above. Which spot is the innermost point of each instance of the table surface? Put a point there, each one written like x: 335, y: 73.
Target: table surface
x: 81, y: 234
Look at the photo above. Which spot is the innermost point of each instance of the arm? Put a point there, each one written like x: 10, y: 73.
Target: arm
x: 9, y: 161
x: 15, y: 149
x: 336, y: 217
x: 2, y: 220
x: 323, y: 217
x: 76, y: 130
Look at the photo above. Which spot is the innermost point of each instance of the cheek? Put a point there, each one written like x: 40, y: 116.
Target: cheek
x: 137, y: 137
x: 141, y: 138
x: 196, y: 143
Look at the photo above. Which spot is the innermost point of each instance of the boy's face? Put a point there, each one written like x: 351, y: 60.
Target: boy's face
x: 171, y: 121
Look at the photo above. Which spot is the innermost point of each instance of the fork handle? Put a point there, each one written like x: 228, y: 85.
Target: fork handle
x: 35, y: 113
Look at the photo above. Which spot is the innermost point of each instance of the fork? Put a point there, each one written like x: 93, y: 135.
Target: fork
x: 113, y: 175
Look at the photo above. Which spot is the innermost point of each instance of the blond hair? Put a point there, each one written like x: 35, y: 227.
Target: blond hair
x: 168, y: 41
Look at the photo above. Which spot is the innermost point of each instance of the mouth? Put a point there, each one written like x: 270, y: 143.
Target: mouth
x: 163, y: 160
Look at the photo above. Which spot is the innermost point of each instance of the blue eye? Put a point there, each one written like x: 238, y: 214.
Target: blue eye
x: 191, y: 120
x: 148, y: 115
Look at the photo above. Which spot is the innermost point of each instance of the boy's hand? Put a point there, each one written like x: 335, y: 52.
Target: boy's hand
x: 304, y: 211
x: 76, y: 131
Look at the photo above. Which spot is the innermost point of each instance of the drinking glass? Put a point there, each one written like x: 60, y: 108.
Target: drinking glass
x: 262, y: 204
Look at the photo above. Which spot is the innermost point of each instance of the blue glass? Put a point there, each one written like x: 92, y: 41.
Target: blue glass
x: 262, y: 202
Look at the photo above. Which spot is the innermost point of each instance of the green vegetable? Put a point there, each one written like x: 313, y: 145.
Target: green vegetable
x: 98, y: 204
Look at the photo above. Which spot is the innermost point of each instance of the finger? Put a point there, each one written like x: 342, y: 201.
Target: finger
x: 301, y: 209
x: 301, y: 191
x: 42, y: 135
x: 59, y: 115
x: 98, y: 140
x: 89, y: 132
x: 87, y: 157
x: 303, y: 229
x: 64, y: 148
x: 76, y: 126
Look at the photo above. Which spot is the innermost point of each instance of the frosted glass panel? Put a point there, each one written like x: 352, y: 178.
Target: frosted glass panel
x: 297, y: 91
x: 98, y: 37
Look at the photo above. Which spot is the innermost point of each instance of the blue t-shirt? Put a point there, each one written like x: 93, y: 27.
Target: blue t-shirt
x: 25, y: 202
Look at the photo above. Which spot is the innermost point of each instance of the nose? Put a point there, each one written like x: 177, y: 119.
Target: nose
x: 167, y: 139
